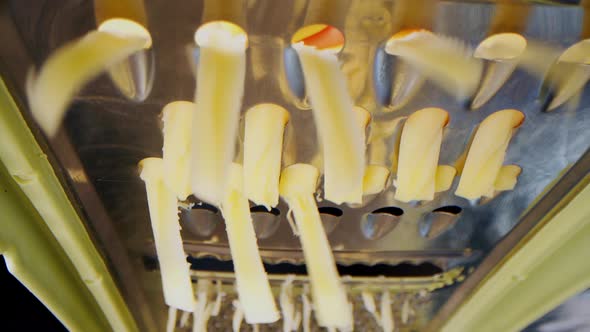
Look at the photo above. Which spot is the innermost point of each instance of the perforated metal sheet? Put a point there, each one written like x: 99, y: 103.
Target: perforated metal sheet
x: 105, y: 135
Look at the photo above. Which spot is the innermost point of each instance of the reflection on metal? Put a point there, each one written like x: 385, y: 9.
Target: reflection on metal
x: 134, y: 77
x: 294, y: 76
x: 330, y: 217
x: 497, y: 73
x: 567, y: 84
x: 265, y: 222
x: 201, y: 220
x: 439, y: 221
x: 503, y: 52
x: 378, y: 223
x: 407, y: 79
x: 510, y: 16
x: 567, y: 76
x: 406, y: 83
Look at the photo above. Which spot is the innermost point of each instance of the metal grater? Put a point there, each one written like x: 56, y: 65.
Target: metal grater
x: 105, y: 134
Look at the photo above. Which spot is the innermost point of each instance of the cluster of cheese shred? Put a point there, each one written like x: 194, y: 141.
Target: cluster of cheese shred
x: 199, y: 151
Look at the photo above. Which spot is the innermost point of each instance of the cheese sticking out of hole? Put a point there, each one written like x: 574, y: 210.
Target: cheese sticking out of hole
x: 444, y: 177
x: 418, y: 154
x: 387, y: 322
x: 238, y: 316
x: 174, y: 269
x: 375, y: 179
x: 297, y: 187
x: 184, y: 318
x: 501, y: 47
x: 288, y: 305
x: 177, y: 117
x: 362, y: 118
x: 369, y: 303
x: 171, y: 322
x: 263, y: 146
x: 486, y: 153
x: 507, y: 177
x: 341, y: 137
x: 71, y: 66
x: 445, y: 61
x: 252, y: 282
x: 202, y: 308
x: 220, y: 88
x: 306, y: 304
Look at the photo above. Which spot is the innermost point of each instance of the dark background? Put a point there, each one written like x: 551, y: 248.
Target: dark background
x: 20, y: 310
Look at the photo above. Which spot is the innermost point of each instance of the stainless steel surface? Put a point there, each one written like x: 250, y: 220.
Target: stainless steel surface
x: 569, y: 184
x: 105, y: 134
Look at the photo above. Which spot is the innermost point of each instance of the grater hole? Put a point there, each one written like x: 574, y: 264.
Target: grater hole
x: 262, y: 209
x: 201, y: 220
x: 265, y: 222
x: 332, y: 211
x: 380, y: 222
x: 439, y: 221
x: 452, y: 209
x: 392, y: 210
x: 206, y: 207
x: 402, y: 269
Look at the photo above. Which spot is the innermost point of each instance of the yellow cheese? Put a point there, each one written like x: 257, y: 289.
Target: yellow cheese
x: 177, y: 117
x: 444, y: 177
x: 174, y: 269
x: 220, y: 88
x: 486, y: 153
x: 418, y: 154
x: 71, y: 66
x: 507, y: 177
x: 297, y: 186
x: 375, y: 179
x: 445, y: 61
x: 263, y: 146
x: 252, y: 282
x: 341, y: 137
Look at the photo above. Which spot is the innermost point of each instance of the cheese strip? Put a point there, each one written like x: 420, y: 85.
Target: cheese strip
x: 444, y: 178
x: 387, y: 321
x: 570, y: 73
x: 297, y: 187
x: 263, y: 146
x: 362, y: 118
x: 418, y: 154
x: 445, y: 61
x: 507, y: 177
x: 220, y: 88
x: 252, y: 282
x: 174, y: 269
x: 486, y: 153
x: 375, y: 179
x: 503, y: 50
x: 177, y: 117
x: 341, y: 138
x: 70, y: 67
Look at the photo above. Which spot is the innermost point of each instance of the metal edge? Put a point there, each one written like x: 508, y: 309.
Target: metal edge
x: 564, y: 190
